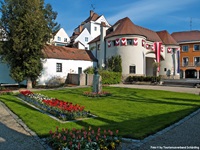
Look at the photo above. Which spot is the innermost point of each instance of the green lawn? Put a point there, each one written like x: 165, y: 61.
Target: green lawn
x: 136, y: 113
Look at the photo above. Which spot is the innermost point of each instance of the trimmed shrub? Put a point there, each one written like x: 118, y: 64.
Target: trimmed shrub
x: 142, y: 79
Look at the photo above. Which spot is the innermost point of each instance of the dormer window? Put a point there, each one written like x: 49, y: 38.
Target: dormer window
x: 86, y: 39
x: 65, y: 39
x: 59, y: 38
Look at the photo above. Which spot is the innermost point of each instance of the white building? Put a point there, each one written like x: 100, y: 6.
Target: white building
x: 136, y: 46
x: 60, y: 38
x: 88, y: 30
x: 58, y: 62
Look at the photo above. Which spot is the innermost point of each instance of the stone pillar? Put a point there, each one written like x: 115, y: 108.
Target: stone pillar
x: 197, y: 74
x: 183, y: 74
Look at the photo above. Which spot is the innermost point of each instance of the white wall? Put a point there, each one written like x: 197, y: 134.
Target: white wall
x: 82, y: 36
x: 62, y: 34
x: 68, y: 66
x: 137, y: 55
x: 97, y: 24
x: 131, y: 55
x: 4, y: 74
x: 168, y: 62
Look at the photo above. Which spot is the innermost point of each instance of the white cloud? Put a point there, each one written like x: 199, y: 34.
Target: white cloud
x: 148, y: 9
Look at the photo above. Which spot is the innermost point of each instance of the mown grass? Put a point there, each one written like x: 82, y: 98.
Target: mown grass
x: 135, y: 113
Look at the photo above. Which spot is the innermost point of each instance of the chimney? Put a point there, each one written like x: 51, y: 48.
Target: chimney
x: 103, y: 31
x: 91, y: 13
x: 80, y: 28
x: 102, y: 45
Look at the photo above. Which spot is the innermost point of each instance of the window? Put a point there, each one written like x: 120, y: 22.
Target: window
x: 65, y: 39
x: 113, y: 43
x: 86, y: 39
x: 98, y: 46
x: 197, y: 61
x: 58, y: 67
x: 185, y: 48
x: 59, y: 38
x: 185, y: 61
x: 196, y: 47
x: 132, y: 69
x: 129, y: 42
x: 95, y: 28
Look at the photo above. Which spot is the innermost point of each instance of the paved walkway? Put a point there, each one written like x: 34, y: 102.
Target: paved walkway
x: 14, y: 135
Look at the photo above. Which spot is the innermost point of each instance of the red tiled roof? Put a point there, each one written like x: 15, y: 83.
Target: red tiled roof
x: 150, y: 35
x: 186, y: 36
x: 123, y: 27
x: 94, y: 17
x: 126, y: 27
x: 166, y: 38
x: 61, y: 52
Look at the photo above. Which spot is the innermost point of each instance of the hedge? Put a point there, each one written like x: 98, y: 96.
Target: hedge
x: 143, y: 79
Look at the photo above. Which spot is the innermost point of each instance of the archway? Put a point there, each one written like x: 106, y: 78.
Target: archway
x: 150, y: 61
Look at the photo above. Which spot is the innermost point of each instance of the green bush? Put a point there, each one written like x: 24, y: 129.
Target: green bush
x: 109, y: 77
x: 89, y: 70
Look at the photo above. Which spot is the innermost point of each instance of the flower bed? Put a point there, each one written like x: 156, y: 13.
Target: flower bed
x: 94, y: 94
x: 58, y: 108
x: 84, y: 139
x: 6, y: 92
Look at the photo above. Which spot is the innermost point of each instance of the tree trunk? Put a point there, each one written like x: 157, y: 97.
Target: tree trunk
x: 29, y: 83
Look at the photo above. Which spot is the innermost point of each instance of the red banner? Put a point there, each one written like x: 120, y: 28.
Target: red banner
x: 169, y: 50
x: 147, y: 46
x: 143, y: 43
x: 135, y: 41
x: 124, y: 41
x: 117, y: 41
x: 109, y: 43
x: 157, y: 46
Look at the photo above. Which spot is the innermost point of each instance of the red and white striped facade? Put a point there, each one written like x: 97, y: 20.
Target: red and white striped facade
x: 139, y: 51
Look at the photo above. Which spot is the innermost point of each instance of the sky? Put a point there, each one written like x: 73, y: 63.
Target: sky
x: 156, y: 15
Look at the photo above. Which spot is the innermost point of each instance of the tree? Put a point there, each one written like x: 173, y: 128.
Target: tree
x: 28, y: 25
x: 115, y: 63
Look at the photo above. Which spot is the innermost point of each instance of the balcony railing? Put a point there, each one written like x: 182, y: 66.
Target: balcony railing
x: 190, y: 64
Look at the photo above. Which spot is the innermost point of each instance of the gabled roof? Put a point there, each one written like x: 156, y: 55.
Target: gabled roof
x: 166, y: 38
x: 66, y: 53
x: 186, y: 36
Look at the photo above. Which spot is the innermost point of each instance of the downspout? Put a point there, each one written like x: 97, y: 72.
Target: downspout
x: 105, y: 54
x: 174, y: 63
x: 96, y: 54
x: 102, y: 45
